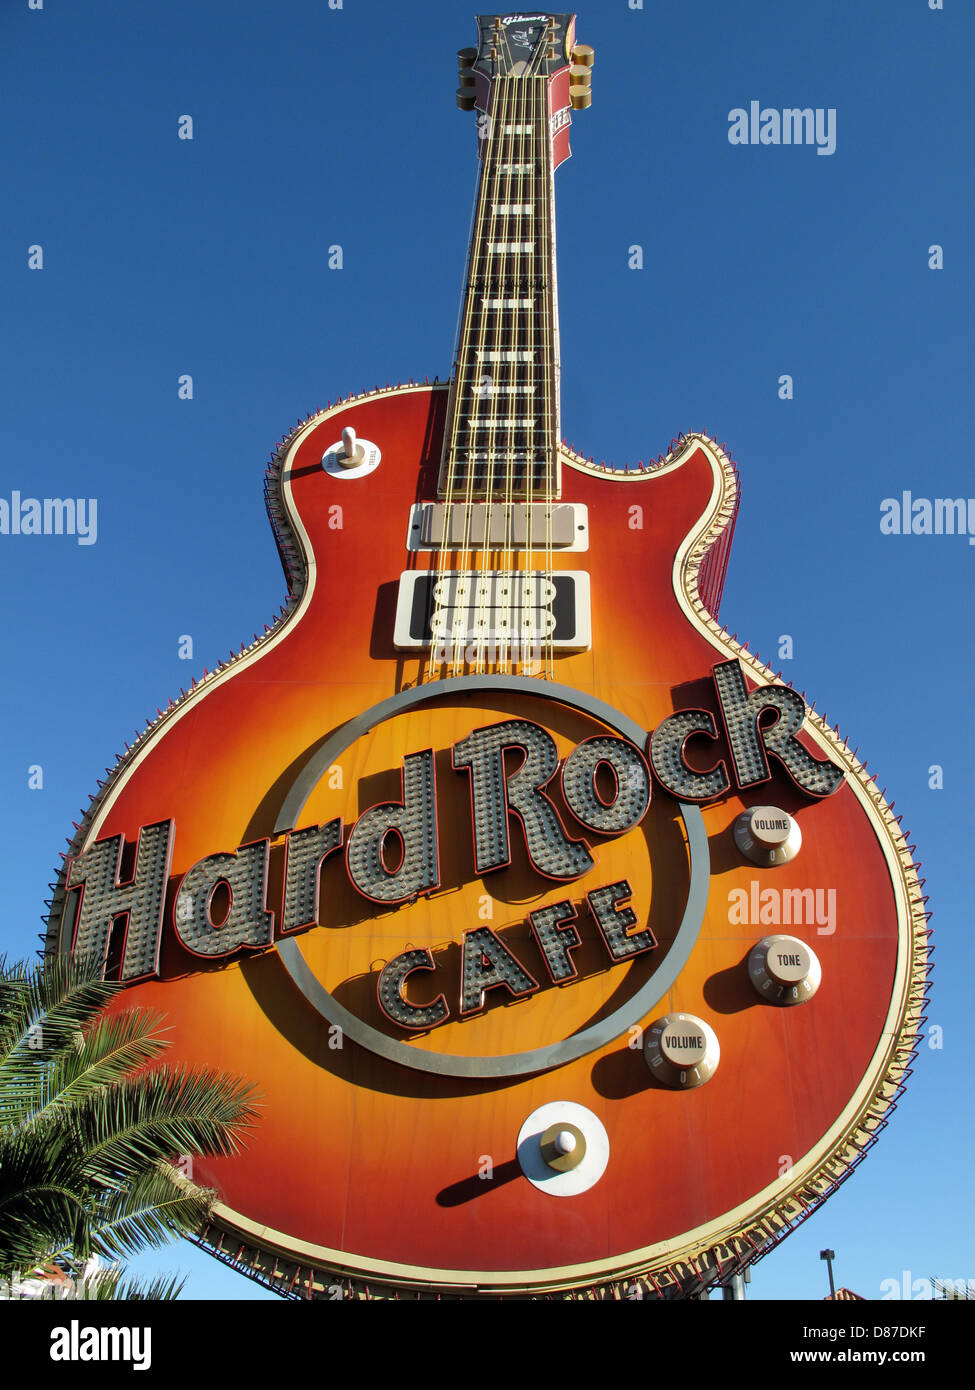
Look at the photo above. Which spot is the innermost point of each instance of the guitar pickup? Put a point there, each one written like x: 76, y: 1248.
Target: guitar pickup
x: 525, y: 526
x: 493, y: 609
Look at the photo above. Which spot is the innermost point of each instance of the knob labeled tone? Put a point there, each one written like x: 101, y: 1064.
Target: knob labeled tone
x: 784, y: 970
x: 681, y: 1050
x: 768, y: 836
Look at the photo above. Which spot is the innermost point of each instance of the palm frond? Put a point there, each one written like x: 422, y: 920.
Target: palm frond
x: 111, y: 1048
x: 43, y: 1208
x: 42, y: 1012
x: 171, y: 1111
x: 87, y: 1136
x: 157, y: 1208
x: 112, y: 1285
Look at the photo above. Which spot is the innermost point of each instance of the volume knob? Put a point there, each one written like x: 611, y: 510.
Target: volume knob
x: 768, y: 836
x: 681, y: 1050
x: 784, y: 970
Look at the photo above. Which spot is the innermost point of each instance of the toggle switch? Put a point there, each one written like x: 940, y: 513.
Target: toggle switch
x: 350, y: 456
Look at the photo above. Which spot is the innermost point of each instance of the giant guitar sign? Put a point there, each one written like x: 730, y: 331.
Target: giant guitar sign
x: 447, y: 862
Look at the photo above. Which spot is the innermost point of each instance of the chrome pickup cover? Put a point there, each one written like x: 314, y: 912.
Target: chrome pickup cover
x: 498, y: 526
x: 493, y: 609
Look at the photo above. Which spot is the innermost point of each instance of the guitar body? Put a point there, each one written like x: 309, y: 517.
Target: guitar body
x: 379, y: 1167
x: 405, y: 1043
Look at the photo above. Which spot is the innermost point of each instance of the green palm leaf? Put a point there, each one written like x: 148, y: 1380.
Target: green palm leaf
x: 168, y: 1112
x: 87, y: 1135
x: 110, y: 1049
x: 113, y: 1286
x: 156, y: 1208
x: 43, y: 1010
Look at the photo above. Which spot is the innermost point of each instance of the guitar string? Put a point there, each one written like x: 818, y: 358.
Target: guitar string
x: 499, y: 582
x: 486, y: 421
x: 521, y: 585
x: 509, y: 583
x: 439, y: 644
x: 527, y: 608
x: 533, y: 590
x: 532, y: 92
x: 507, y: 264
x: 489, y: 585
x: 551, y: 390
x: 476, y: 431
x: 546, y: 642
x: 483, y: 428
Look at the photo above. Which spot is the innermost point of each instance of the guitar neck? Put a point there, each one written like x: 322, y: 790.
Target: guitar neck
x: 501, y: 441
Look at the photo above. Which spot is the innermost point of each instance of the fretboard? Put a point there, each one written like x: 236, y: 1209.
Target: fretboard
x: 502, y: 433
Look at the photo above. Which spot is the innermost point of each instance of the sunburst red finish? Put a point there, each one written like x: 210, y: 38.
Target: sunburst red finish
x: 375, y: 1165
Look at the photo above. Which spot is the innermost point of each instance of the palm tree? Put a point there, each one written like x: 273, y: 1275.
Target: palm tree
x: 88, y: 1137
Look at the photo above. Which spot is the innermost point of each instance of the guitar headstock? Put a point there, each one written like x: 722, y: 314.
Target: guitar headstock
x: 527, y: 46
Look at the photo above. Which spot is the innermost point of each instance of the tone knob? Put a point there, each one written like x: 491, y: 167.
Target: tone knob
x: 784, y: 970
x: 681, y: 1050
x: 768, y: 836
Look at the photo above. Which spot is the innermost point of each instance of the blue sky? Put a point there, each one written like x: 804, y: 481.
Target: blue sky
x: 315, y: 126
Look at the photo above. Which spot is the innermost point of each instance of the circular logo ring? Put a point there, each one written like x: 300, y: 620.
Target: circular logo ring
x: 540, y: 1059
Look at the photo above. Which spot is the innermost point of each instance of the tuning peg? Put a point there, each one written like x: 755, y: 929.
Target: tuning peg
x: 580, y: 76
x: 466, y: 78
x: 583, y: 55
x: 465, y: 98
x: 466, y: 57
x: 580, y: 97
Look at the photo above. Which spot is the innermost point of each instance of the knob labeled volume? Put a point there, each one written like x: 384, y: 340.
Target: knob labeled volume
x: 768, y: 836
x: 681, y: 1050
x: 784, y: 970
